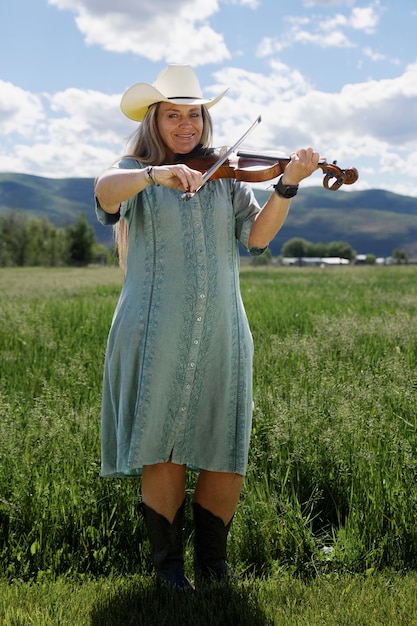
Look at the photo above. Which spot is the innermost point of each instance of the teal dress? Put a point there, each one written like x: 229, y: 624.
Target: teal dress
x: 178, y: 366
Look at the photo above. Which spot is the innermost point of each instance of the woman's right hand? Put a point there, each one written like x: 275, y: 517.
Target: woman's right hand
x: 178, y: 176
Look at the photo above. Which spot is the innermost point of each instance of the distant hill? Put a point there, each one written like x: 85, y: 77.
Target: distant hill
x: 60, y: 200
x: 372, y: 221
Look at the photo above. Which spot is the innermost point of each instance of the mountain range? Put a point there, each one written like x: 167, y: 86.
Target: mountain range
x: 372, y: 221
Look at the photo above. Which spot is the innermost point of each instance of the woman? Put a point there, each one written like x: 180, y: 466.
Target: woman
x: 177, y: 389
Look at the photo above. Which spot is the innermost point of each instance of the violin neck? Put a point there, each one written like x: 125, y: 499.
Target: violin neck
x: 247, y: 154
x: 273, y: 158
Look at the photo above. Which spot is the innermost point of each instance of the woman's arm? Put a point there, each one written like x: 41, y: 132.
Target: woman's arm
x: 115, y: 185
x: 274, y: 212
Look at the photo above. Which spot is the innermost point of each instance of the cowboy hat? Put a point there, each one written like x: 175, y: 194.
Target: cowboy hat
x: 176, y: 83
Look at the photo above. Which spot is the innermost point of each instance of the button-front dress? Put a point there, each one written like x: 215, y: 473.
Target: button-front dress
x: 178, y: 368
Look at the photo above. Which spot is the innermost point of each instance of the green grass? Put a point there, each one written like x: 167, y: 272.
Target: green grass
x: 326, y: 529
x: 335, y: 428
x: 381, y: 600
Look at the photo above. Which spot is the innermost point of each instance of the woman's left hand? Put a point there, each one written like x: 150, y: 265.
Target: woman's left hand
x: 302, y: 164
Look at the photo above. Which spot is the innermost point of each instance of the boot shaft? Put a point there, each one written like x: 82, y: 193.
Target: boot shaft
x: 167, y: 545
x: 210, y: 544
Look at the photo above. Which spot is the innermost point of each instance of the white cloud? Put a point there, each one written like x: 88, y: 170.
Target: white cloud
x: 365, y: 18
x: 57, y: 161
x: 20, y: 111
x: 328, y: 3
x: 374, y: 56
x: 331, y: 32
x: 373, y: 122
x: 94, y: 115
x: 252, y: 4
x: 70, y: 133
x: 176, y: 32
x: 384, y: 111
x: 320, y: 36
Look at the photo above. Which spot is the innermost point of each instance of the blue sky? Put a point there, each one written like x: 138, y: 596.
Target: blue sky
x: 339, y: 75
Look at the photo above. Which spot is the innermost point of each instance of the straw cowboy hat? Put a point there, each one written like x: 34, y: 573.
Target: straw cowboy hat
x: 176, y: 83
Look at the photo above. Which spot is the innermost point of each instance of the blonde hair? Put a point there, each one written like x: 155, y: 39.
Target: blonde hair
x: 146, y: 145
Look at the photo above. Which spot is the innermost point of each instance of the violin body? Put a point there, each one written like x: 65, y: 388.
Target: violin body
x: 257, y: 168
x: 248, y: 169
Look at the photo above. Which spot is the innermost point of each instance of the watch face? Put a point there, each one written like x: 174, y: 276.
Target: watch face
x: 286, y: 191
x: 289, y: 192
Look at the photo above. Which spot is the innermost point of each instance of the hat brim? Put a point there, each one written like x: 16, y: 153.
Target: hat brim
x: 137, y: 99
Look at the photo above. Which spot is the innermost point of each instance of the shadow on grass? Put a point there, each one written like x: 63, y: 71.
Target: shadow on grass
x: 147, y: 604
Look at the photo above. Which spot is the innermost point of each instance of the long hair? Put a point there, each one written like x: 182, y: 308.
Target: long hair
x: 146, y: 145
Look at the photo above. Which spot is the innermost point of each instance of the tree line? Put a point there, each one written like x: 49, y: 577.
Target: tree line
x: 300, y: 248
x: 33, y: 241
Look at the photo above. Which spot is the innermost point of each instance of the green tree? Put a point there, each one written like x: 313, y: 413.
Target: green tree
x: 15, y: 239
x: 26, y: 240
x: 81, y: 241
x: 296, y: 247
x: 48, y: 244
x: 103, y: 255
x: 400, y: 256
x: 318, y: 249
x: 341, y: 249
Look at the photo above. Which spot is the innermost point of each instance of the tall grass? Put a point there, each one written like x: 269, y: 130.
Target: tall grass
x: 332, y: 481
x: 55, y: 512
x: 334, y: 458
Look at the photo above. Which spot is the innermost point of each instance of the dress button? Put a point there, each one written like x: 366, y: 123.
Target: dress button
x: 192, y: 364
x: 199, y: 318
x: 183, y: 409
x: 202, y: 296
x: 195, y: 342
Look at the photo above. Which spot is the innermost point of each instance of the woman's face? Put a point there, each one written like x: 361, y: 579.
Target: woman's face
x: 180, y: 126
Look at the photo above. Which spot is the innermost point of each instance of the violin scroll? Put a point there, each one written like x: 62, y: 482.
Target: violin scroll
x: 342, y: 177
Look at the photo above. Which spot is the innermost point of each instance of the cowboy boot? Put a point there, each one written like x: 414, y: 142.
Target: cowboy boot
x: 167, y: 546
x: 210, y: 541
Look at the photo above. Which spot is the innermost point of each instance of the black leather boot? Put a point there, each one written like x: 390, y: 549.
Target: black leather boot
x: 167, y: 546
x: 210, y: 545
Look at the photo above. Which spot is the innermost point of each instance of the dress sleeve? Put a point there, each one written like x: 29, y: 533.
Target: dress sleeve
x: 246, y: 208
x: 109, y: 219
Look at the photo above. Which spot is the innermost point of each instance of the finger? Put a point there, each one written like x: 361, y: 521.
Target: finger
x: 194, y: 179
x: 307, y: 154
x: 182, y: 177
x: 189, y: 179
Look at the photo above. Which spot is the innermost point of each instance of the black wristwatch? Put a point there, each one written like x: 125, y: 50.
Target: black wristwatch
x: 285, y: 191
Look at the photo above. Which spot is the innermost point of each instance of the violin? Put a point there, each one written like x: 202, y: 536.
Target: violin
x: 252, y: 167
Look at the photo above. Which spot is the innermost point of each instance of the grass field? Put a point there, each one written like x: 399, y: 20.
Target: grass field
x: 326, y: 530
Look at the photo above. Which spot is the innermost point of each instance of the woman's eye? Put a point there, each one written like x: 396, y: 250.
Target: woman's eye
x: 173, y: 116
